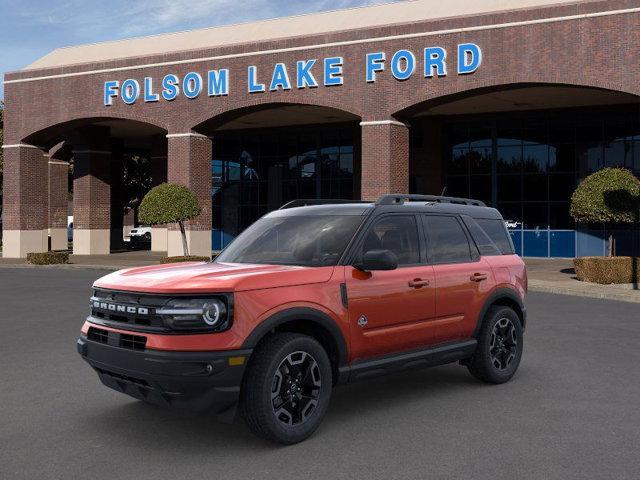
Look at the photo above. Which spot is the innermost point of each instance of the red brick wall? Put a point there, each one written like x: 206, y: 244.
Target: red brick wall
x: 58, y: 188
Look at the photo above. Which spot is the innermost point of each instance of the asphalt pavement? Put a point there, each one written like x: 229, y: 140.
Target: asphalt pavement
x: 571, y: 411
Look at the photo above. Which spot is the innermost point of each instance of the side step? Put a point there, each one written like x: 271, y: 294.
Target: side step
x: 427, y: 357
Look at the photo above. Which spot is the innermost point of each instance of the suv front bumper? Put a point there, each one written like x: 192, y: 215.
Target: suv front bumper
x: 195, y: 381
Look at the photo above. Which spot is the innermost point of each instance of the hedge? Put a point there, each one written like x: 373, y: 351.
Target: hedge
x: 607, y: 270
x: 48, y: 258
x: 182, y: 258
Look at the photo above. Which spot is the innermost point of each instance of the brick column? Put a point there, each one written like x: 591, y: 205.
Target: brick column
x: 25, y: 212
x: 158, y: 175
x: 189, y: 164
x: 385, y: 158
x: 92, y: 192
x: 58, y: 191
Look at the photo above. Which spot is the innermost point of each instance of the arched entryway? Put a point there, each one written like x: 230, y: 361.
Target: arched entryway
x: 111, y: 162
x: 523, y: 149
x: 264, y: 156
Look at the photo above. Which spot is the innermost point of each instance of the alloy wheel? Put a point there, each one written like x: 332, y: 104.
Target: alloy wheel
x: 295, y: 389
x: 504, y: 344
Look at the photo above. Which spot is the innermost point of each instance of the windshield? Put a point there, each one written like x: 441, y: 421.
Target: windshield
x: 312, y: 240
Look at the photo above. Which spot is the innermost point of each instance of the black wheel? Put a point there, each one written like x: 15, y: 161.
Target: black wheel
x: 287, y: 387
x: 147, y: 236
x: 499, y: 350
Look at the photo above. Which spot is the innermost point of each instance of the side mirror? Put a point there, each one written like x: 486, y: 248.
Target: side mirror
x: 378, y: 260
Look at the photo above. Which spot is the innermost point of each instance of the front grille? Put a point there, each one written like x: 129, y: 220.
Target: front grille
x: 128, y: 310
x: 122, y: 340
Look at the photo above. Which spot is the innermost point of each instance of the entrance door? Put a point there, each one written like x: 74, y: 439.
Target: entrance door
x: 390, y: 311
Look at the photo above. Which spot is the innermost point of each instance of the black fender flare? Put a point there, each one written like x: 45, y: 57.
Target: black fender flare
x: 495, y: 297
x: 300, y: 314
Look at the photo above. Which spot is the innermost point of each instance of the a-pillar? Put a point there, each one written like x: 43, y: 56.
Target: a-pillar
x: 92, y: 192
x: 189, y: 164
x: 58, y: 191
x: 25, y: 212
x: 385, y: 158
x: 158, y: 175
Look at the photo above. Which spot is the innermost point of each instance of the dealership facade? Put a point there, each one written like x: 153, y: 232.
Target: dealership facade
x: 512, y: 107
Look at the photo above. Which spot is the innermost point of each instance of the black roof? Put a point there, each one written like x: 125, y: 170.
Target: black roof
x: 415, y: 203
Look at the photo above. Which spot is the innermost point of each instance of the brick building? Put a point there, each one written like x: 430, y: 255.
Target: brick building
x: 508, y: 101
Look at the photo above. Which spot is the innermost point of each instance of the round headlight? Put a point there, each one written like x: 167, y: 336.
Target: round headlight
x: 213, y: 312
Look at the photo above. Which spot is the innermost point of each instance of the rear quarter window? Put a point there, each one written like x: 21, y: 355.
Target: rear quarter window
x: 496, y: 230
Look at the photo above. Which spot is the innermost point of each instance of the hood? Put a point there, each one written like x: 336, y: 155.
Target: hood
x: 211, y: 277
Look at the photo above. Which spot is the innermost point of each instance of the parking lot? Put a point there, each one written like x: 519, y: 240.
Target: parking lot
x: 570, y: 412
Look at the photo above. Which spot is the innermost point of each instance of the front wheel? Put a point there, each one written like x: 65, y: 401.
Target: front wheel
x: 287, y: 387
x: 499, y: 349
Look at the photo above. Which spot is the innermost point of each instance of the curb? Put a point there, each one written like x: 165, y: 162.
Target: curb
x: 604, y: 294
x: 64, y: 266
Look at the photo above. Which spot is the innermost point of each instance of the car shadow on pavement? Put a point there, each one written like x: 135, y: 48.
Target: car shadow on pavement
x: 136, y: 422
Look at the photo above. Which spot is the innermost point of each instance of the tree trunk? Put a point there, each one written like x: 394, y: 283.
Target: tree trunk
x: 185, y: 247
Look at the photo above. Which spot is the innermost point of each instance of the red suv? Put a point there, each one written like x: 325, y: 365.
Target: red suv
x: 313, y: 295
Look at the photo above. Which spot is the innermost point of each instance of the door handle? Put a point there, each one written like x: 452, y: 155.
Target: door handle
x: 478, y: 277
x: 418, y: 282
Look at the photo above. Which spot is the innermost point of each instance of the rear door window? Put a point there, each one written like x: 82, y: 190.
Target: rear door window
x: 447, y: 240
x: 485, y: 244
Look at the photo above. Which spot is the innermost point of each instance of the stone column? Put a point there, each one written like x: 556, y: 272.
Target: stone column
x: 189, y: 164
x: 58, y: 191
x: 158, y: 175
x: 25, y: 212
x: 385, y: 158
x: 92, y: 192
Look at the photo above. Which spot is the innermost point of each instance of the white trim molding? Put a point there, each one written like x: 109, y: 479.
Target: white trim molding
x: 58, y: 162
x: 21, y: 145
x: 383, y: 122
x: 477, y: 28
x: 189, y: 134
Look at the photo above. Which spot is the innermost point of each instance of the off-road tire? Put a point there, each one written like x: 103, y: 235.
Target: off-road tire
x: 256, y: 403
x: 485, y: 365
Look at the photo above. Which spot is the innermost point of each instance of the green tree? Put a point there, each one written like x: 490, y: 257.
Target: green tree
x: 611, y: 195
x: 170, y: 203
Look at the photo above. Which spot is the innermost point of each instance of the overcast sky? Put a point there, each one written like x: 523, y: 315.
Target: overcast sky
x: 30, y: 29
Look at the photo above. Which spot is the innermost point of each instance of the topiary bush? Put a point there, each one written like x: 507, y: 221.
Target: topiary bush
x: 48, y: 258
x: 185, y: 258
x: 607, y: 270
x: 170, y: 203
x: 611, y: 195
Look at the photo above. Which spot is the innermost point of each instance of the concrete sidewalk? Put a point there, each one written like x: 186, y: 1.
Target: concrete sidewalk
x: 545, y: 274
x: 553, y: 275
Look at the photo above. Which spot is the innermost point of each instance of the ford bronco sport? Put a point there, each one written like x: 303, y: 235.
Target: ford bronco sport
x: 312, y: 295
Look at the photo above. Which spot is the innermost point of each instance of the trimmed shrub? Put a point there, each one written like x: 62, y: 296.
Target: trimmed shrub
x: 170, y: 203
x: 607, y: 270
x: 48, y: 258
x: 611, y: 195
x: 184, y: 258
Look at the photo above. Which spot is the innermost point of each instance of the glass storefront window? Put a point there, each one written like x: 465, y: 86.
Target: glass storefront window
x: 538, y: 159
x: 255, y: 171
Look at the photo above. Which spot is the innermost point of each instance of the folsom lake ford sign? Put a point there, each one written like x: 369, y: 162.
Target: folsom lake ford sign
x: 309, y: 73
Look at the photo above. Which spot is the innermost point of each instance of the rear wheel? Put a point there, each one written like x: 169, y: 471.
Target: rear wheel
x: 500, y: 343
x: 287, y: 388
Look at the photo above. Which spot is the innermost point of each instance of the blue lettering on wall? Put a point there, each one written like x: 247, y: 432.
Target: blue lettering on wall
x: 216, y: 82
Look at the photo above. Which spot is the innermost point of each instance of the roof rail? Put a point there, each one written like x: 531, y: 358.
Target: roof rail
x: 302, y: 202
x: 399, y: 199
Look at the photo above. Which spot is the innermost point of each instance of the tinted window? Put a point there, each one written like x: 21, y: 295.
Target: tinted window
x: 447, y: 240
x: 497, y: 231
x: 397, y: 234
x: 313, y: 240
x: 485, y: 245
